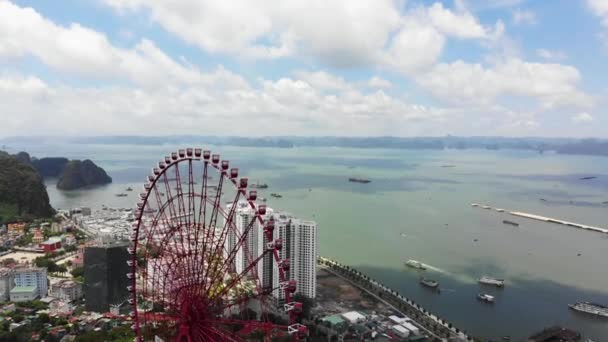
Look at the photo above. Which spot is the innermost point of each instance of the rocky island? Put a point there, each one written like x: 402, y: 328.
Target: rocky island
x: 77, y: 174
x: 22, y: 192
x: 71, y: 174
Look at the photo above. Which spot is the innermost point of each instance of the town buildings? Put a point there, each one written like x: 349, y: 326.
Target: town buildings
x: 66, y: 290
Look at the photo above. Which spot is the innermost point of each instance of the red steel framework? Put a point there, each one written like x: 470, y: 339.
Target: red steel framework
x: 185, y: 284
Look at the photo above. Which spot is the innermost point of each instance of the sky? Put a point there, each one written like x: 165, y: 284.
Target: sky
x: 304, y: 67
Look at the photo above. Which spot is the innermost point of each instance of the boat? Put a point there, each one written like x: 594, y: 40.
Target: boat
x: 359, y: 180
x: 129, y: 189
x: 590, y: 308
x: 485, y: 280
x: 259, y: 186
x: 474, y: 205
x: 500, y: 210
x: 511, y: 223
x: 485, y: 297
x: 588, y: 178
x: 486, y: 207
x: 121, y: 195
x: 276, y: 195
x: 415, y: 264
x: 433, y: 284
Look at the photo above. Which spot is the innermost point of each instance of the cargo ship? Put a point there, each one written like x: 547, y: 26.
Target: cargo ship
x: 358, y: 180
x: 590, y: 308
x: 415, y: 264
x: 492, y: 281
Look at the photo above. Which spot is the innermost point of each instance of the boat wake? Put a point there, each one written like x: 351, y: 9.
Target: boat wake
x: 434, y: 269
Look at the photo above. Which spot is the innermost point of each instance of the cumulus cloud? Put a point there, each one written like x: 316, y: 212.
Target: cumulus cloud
x: 582, y: 117
x: 273, y: 107
x: 551, y: 85
x: 339, y: 33
x: 80, y: 50
x: 524, y: 17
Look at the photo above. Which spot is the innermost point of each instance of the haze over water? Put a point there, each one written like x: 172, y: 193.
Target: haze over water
x: 416, y: 209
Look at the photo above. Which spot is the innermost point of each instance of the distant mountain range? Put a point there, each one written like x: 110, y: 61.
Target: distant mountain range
x: 559, y: 145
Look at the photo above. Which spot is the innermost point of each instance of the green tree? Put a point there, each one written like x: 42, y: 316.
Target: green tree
x: 78, y: 272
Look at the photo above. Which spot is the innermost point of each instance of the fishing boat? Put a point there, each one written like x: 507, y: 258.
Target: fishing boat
x: 485, y: 297
x: 415, y: 264
x: 433, y: 284
x: 485, y: 280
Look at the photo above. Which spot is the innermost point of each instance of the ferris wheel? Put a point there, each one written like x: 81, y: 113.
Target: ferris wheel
x: 195, y: 274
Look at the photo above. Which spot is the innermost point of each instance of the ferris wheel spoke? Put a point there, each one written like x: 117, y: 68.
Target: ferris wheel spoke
x: 221, y: 335
x: 218, y: 247
x: 241, y: 275
x: 244, y: 299
x: 221, y: 243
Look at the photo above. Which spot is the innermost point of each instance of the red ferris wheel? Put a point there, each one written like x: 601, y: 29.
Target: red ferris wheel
x: 195, y: 273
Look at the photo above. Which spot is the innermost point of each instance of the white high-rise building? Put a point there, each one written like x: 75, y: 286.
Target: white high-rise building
x: 300, y: 247
x: 254, y: 243
x: 32, y: 277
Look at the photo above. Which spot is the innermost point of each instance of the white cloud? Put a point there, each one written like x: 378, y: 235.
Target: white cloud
x: 275, y: 107
x: 323, y: 80
x: 415, y: 47
x: 600, y: 9
x: 80, y: 50
x: 338, y: 33
x: 380, y: 83
x: 551, y: 55
x: 582, y: 117
x: 551, y: 85
x: 461, y: 25
x: 524, y: 17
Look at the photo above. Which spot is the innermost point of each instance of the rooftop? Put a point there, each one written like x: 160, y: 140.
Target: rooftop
x: 333, y: 319
x: 21, y: 289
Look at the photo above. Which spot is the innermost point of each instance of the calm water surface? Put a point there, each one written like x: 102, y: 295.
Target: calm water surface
x: 411, y: 193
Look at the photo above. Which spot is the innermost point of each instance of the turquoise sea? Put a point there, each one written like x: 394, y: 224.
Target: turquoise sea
x: 417, y: 208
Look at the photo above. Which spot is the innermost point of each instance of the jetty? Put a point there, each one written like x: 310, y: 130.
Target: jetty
x: 558, y: 221
x: 544, y: 219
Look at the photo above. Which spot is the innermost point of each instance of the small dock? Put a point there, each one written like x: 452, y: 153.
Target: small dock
x: 545, y: 219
